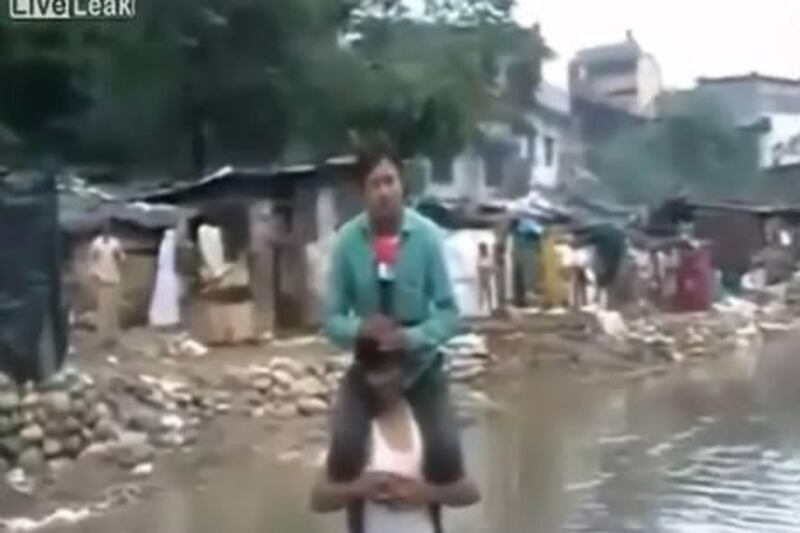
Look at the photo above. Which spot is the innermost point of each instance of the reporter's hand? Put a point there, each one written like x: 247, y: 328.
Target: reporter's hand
x: 394, y: 340
x: 375, y: 327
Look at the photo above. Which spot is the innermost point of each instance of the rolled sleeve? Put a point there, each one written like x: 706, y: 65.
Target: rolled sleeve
x: 340, y: 324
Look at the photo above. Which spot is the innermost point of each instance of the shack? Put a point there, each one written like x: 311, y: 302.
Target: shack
x: 737, y: 232
x: 292, y: 215
x: 139, y: 227
x: 510, y: 229
x: 465, y: 225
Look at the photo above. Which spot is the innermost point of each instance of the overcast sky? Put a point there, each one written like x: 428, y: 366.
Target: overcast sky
x: 689, y: 38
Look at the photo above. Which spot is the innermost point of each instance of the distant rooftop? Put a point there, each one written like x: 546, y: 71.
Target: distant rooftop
x: 626, y: 50
x: 553, y: 98
x: 752, y: 76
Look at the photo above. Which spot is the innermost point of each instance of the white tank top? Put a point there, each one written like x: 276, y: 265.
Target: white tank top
x: 380, y: 518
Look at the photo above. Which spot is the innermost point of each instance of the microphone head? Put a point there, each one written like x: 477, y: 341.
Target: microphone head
x: 385, y: 250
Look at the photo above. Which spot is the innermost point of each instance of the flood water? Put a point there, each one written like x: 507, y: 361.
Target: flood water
x: 708, y: 448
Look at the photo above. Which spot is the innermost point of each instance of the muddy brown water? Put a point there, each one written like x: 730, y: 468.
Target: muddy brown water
x: 707, y: 448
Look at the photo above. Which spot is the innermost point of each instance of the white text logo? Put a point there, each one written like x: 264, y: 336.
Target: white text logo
x: 71, y: 9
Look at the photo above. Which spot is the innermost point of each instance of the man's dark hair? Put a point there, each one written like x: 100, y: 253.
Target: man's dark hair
x: 370, y: 156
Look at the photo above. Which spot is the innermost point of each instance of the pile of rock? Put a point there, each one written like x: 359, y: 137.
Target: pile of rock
x: 467, y: 357
x: 125, y: 418
x: 648, y: 344
x: 578, y: 326
x: 164, y: 411
x: 287, y: 387
x: 52, y: 422
x: 150, y: 345
x: 674, y: 338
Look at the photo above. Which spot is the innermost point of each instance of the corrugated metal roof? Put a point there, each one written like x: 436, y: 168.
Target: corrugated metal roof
x: 256, y: 173
x: 85, y: 208
x: 764, y: 210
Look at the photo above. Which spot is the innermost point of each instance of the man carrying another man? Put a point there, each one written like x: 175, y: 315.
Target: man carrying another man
x: 389, y: 293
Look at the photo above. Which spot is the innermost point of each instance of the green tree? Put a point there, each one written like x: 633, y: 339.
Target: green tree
x: 190, y: 83
x: 695, y: 150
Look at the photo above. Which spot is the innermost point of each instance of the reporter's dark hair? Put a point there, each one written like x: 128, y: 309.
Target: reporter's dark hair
x: 370, y: 154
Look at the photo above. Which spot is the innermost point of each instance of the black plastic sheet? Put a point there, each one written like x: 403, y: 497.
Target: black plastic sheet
x: 33, y: 329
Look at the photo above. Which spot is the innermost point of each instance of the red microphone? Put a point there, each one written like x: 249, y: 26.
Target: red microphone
x: 385, y: 250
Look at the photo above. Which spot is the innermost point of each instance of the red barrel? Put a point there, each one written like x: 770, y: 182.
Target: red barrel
x: 693, y: 280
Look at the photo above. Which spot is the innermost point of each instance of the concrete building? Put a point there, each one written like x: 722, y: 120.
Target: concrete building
x: 780, y: 142
x: 768, y: 104
x: 751, y: 97
x: 619, y: 74
x: 509, y: 159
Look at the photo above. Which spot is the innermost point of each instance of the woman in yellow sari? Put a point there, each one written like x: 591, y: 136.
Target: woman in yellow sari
x: 555, y: 290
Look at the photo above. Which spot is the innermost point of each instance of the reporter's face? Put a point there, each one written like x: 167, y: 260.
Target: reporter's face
x: 383, y: 190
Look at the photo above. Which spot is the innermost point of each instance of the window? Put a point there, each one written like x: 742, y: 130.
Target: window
x: 549, y: 151
x: 532, y: 146
x: 613, y: 67
x: 493, y: 162
x: 442, y: 169
x: 627, y: 91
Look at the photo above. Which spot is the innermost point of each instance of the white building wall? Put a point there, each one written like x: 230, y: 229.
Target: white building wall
x: 468, y: 179
x: 542, y: 173
x: 469, y: 173
x: 607, y: 84
x: 650, y: 85
x: 781, y: 145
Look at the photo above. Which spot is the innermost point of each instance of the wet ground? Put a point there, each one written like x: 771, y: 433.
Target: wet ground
x: 713, y: 447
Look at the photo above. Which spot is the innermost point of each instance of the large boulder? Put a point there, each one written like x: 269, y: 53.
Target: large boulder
x: 311, y: 406
x: 32, y: 434
x: 52, y: 448
x: 58, y: 402
x: 309, y: 386
x: 131, y: 449
x: 9, y: 401
x: 31, y: 460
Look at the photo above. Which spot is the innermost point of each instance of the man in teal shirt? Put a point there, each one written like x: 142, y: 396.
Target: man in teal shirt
x: 422, y: 303
x: 399, y: 301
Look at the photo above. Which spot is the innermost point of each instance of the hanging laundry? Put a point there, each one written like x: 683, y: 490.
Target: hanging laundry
x: 165, y: 303
x: 212, y: 250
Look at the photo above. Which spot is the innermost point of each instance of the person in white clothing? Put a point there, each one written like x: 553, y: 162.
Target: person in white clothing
x: 391, y: 494
x: 165, y: 303
x: 486, y: 273
x: 105, y: 265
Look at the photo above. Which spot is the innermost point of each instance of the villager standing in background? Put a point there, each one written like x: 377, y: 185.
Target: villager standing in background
x: 555, y: 292
x: 609, y: 244
x: 105, y: 265
x: 486, y: 270
x: 500, y: 282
